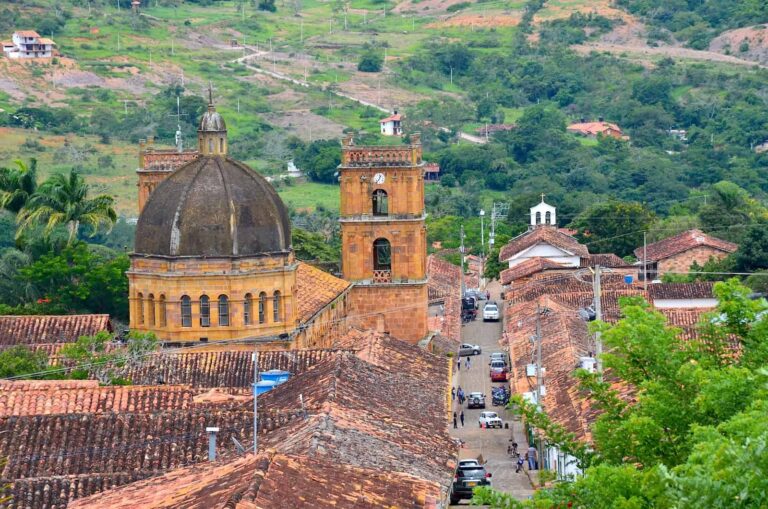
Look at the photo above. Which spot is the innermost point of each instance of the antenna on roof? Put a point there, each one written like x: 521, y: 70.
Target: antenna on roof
x: 210, y: 94
x: 178, y: 115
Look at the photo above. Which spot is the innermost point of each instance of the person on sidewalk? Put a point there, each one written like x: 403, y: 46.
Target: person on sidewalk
x: 487, y: 295
x: 453, y: 393
x: 520, y: 463
x: 469, y: 362
x: 461, y: 395
x: 458, y: 365
x: 461, y: 417
x: 454, y: 421
x: 531, y: 455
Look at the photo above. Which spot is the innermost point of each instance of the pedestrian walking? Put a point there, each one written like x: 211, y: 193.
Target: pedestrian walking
x: 458, y: 365
x: 461, y: 417
x: 453, y: 393
x: 487, y: 295
x: 469, y: 362
x: 461, y: 396
x: 520, y: 463
x: 454, y: 421
x: 531, y: 455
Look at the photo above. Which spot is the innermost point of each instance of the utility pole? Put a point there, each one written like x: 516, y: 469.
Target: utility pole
x: 182, y: 77
x: 118, y: 41
x: 255, y: 401
x: 451, y: 75
x: 598, y: 316
x: 645, y: 263
x: 461, y: 252
x: 482, y: 243
x: 301, y: 39
x: 538, y: 356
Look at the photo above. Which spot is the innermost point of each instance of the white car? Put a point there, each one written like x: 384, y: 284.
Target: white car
x: 490, y: 420
x: 491, y: 312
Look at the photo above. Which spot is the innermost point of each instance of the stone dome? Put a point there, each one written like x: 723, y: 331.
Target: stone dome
x: 212, y: 121
x: 213, y: 206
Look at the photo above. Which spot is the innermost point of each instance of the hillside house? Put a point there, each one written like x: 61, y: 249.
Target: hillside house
x: 596, y: 129
x: 431, y: 172
x: 677, y: 253
x: 28, y: 44
x: 392, y: 125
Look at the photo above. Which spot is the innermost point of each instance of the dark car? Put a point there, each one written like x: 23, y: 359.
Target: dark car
x: 467, y: 478
x: 476, y: 400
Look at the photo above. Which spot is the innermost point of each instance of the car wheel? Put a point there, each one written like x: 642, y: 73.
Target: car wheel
x: 475, y: 352
x: 454, y: 500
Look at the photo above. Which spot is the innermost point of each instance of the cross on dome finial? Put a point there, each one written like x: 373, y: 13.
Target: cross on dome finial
x: 210, y: 94
x: 542, y: 197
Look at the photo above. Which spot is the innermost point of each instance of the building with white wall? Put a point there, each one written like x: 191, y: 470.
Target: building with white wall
x: 28, y: 44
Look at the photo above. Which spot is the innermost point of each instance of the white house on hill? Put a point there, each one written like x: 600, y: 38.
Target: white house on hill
x: 391, y: 126
x: 28, y: 44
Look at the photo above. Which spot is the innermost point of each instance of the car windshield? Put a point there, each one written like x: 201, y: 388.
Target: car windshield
x: 491, y: 307
x: 497, y: 364
x: 471, y: 471
x: 475, y: 394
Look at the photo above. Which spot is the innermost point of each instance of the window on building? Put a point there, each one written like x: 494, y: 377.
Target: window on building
x: 538, y: 217
x: 186, y: 311
x: 205, y: 311
x: 221, y: 145
x: 210, y: 145
x: 163, y: 312
x: 262, y: 307
x: 382, y: 255
x: 247, y: 308
x: 380, y: 206
x: 151, y: 310
x: 140, y: 308
x: 223, y: 311
x: 276, y: 306
x: 548, y: 217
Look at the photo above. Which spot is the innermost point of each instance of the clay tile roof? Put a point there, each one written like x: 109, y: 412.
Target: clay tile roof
x: 44, y: 40
x: 593, y: 128
x: 444, y: 283
x: 528, y: 267
x: 679, y: 291
x: 543, y: 235
x: 21, y: 398
x: 683, y: 242
x: 28, y: 330
x: 273, y: 481
x: 316, y: 289
x: 604, y: 260
x: 392, y: 118
x: 686, y: 319
x: 27, y: 33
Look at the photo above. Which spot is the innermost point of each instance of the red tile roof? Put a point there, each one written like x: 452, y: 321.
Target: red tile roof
x: 315, y: 289
x: 593, y: 128
x: 397, y: 117
x: 543, y: 235
x: 27, y: 33
x: 681, y: 291
x: 272, y: 481
x: 28, y: 330
x: 52, y: 397
x: 444, y: 283
x: 528, y: 267
x: 683, y: 242
x: 604, y: 260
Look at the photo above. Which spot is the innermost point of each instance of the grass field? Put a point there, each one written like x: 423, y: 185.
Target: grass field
x: 310, y: 196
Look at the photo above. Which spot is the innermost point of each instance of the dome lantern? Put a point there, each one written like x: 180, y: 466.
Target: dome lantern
x: 212, y: 133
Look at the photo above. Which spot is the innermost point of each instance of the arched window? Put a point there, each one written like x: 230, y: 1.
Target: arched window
x: 538, y: 217
x: 151, y: 310
x: 205, y: 311
x: 262, y: 307
x: 247, y: 308
x: 186, y: 311
x: 223, y: 311
x: 210, y: 145
x: 548, y: 217
x: 382, y: 255
x: 140, y: 308
x: 163, y: 312
x: 380, y: 206
x: 276, y: 306
x: 221, y: 145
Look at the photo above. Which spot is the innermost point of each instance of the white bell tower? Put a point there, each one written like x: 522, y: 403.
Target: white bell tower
x: 543, y: 214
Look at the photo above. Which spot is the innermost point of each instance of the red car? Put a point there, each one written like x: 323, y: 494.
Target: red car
x: 498, y: 371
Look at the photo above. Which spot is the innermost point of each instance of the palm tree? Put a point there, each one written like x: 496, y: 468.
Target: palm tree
x: 63, y: 200
x: 17, y: 185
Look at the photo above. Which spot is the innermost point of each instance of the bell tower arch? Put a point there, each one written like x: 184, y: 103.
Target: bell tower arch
x: 383, y: 235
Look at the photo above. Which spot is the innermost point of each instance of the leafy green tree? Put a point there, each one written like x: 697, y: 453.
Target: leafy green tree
x: 20, y: 360
x: 267, y: 5
x: 18, y: 185
x: 614, y: 226
x: 63, y: 200
x: 753, y: 250
x: 371, y: 60
x: 729, y: 209
x: 313, y: 247
x: 320, y: 160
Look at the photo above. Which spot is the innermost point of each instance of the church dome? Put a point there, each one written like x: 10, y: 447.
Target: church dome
x: 213, y: 206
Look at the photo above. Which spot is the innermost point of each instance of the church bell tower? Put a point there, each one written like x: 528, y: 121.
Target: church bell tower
x: 384, y: 240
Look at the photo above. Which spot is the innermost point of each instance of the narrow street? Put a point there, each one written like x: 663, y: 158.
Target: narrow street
x: 491, y: 443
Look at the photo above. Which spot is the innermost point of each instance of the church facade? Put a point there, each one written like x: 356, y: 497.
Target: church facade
x: 213, y: 259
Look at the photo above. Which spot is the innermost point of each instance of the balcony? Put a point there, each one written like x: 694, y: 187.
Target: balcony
x: 382, y: 276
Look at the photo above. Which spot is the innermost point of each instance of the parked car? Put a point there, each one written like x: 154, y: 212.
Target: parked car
x: 466, y: 349
x: 499, y: 356
x: 498, y: 371
x: 477, y: 294
x: 491, y: 312
x: 476, y: 400
x: 467, y: 478
x: 489, y: 419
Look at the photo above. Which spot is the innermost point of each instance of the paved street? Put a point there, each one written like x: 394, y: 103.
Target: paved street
x: 492, y: 443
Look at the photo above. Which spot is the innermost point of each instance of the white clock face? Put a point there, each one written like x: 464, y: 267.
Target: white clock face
x: 379, y: 178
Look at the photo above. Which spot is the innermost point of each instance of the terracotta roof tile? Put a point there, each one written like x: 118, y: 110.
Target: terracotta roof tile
x: 681, y: 291
x: 27, y: 33
x: 609, y: 260
x: 528, y: 267
x: 593, y: 128
x: 392, y: 118
x: 444, y: 284
x: 273, y: 481
x: 28, y: 330
x: 681, y: 243
x: 316, y: 289
x: 543, y: 235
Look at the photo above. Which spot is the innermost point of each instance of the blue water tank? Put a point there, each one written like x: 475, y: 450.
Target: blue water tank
x: 264, y: 386
x: 628, y: 279
x: 276, y: 375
